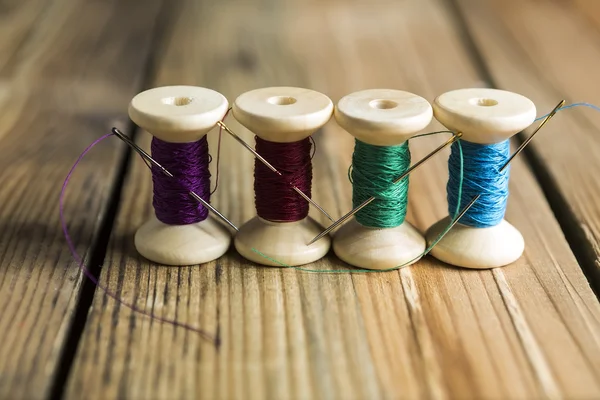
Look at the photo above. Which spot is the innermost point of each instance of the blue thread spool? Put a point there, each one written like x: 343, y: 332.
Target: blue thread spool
x: 180, y: 114
x: 487, y: 119
x: 381, y: 118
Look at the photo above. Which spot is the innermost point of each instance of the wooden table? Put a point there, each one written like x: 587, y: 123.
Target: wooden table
x: 68, y: 69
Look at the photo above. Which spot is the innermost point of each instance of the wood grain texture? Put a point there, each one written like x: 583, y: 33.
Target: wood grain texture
x: 548, y: 50
x: 530, y: 330
x: 58, y: 92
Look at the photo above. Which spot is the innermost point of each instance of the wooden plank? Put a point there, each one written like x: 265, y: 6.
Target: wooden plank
x: 66, y: 83
x: 529, y: 330
x: 548, y: 50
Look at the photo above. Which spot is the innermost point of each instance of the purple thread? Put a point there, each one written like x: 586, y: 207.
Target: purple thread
x: 188, y: 162
x: 274, y: 197
x: 92, y: 278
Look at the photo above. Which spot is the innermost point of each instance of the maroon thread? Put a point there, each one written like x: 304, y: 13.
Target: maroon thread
x: 274, y: 197
x: 188, y: 162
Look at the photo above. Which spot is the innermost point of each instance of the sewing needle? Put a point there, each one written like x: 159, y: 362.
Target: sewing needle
x: 147, y: 157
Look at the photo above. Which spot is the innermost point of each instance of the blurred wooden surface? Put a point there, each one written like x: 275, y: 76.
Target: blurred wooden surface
x: 68, y: 69
x: 547, y: 51
x: 67, y: 72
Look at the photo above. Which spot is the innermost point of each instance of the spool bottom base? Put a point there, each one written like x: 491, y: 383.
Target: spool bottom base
x: 378, y: 248
x: 281, y: 242
x: 478, y: 248
x: 179, y: 245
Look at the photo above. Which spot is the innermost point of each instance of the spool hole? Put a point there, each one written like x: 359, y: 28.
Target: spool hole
x: 483, y: 102
x: 177, y: 101
x: 281, y: 100
x: 383, y: 104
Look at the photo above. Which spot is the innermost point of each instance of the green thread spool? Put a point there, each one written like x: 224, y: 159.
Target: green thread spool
x: 381, y: 120
x: 374, y: 169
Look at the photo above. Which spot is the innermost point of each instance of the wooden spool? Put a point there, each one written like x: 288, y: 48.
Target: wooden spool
x: 180, y: 114
x: 284, y: 115
x: 381, y: 117
x: 484, y: 116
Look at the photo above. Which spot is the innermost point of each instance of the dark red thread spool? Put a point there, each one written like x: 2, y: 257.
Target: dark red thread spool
x: 283, y: 119
x: 275, y: 198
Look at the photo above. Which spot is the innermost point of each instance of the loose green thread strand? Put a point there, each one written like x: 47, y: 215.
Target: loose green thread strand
x: 406, y: 264
x: 373, y: 171
x: 461, y: 178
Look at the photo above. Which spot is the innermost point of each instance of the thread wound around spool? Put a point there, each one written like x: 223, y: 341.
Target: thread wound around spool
x: 275, y: 197
x: 374, y: 170
x: 188, y: 162
x: 479, y: 175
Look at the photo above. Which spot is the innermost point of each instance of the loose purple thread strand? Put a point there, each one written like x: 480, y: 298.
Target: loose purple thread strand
x: 92, y: 278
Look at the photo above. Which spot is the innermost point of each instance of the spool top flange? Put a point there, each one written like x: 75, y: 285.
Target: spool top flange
x: 484, y: 116
x: 283, y: 114
x: 178, y: 114
x: 383, y: 117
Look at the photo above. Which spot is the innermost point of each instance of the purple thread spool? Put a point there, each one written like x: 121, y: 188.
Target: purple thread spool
x: 283, y: 118
x: 180, y: 232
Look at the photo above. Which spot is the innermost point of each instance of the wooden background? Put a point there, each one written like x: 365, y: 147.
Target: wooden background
x: 68, y: 69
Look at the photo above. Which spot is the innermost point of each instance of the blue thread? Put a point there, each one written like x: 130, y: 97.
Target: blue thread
x: 481, y: 175
x: 570, y: 106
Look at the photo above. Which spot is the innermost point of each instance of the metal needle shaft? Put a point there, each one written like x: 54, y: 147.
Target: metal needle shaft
x: 526, y: 142
x: 370, y: 199
x: 141, y: 151
x: 147, y: 157
x: 460, y: 215
x: 271, y: 167
x: 454, y: 222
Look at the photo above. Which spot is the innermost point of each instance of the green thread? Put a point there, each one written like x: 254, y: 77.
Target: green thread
x: 366, y: 271
x: 373, y: 171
